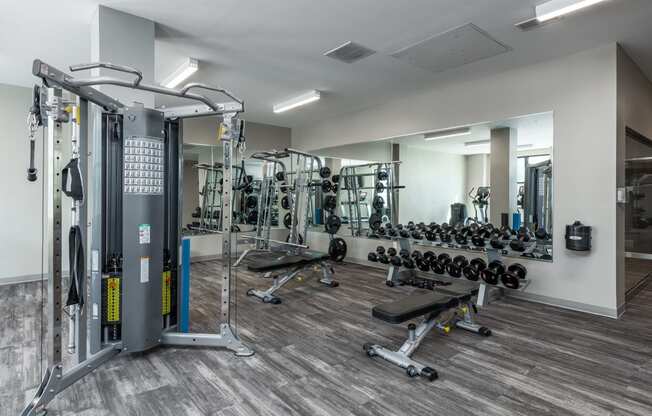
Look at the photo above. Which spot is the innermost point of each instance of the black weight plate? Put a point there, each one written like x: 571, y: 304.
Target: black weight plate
x: 335, y: 179
x: 380, y: 188
x: 287, y: 220
x: 280, y: 176
x: 284, y: 187
x: 372, y: 257
x: 252, y: 217
x: 325, y: 172
x: 423, y: 265
x: 460, y: 238
x: 416, y: 235
x: 378, y: 203
x: 251, y: 201
x: 429, y: 256
x: 431, y: 236
x: 382, y: 175
x: 285, y: 202
x: 337, y: 249
x: 333, y: 224
x: 391, y: 252
x: 444, y: 258
x: 375, y: 222
x: 497, y: 266
x: 460, y: 261
x: 330, y: 203
x: 326, y: 186
x: 380, y: 250
x: 478, y: 240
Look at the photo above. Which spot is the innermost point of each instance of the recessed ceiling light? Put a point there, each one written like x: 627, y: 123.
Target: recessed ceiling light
x: 298, y: 101
x: 183, y: 72
x: 445, y: 134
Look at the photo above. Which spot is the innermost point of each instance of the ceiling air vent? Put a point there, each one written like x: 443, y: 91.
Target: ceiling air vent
x: 452, y: 49
x: 350, y: 52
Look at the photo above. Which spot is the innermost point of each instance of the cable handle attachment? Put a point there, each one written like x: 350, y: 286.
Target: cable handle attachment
x: 34, y: 121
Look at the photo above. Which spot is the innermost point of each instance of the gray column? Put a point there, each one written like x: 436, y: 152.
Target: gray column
x: 123, y: 39
x: 503, y: 174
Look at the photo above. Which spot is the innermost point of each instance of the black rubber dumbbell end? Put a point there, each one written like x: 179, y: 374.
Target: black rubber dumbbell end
x: 31, y: 174
x: 429, y: 374
x: 484, y: 331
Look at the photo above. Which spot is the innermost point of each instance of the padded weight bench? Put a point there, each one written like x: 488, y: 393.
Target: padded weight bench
x: 289, y: 266
x: 443, y: 311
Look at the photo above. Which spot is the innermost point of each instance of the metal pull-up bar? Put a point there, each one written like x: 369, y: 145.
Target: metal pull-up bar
x: 81, y: 87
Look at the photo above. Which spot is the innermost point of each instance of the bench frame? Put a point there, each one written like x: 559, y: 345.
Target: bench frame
x: 461, y: 317
x: 283, y: 278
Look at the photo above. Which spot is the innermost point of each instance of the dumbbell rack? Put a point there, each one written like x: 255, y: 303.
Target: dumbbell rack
x: 396, y: 274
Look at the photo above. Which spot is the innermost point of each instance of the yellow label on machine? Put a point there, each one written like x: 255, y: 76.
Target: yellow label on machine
x: 113, y: 299
x: 166, y: 286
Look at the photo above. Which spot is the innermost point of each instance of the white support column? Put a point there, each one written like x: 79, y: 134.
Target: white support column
x: 503, y: 174
x: 123, y: 39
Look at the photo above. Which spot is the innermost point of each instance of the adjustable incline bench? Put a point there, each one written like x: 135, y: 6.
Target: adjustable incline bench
x: 288, y: 267
x: 443, y: 310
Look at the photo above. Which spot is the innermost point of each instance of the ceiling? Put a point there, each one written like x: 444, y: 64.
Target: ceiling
x: 532, y: 132
x: 268, y: 51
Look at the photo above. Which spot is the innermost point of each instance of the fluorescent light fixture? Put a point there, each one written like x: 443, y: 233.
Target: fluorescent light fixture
x: 478, y: 143
x: 445, y: 134
x: 295, y: 102
x: 525, y: 146
x: 189, y: 67
x: 556, y: 8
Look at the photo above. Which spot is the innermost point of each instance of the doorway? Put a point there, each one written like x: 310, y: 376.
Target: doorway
x: 638, y: 212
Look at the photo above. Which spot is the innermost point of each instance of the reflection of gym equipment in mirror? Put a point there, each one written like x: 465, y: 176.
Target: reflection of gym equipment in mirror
x: 133, y: 301
x: 537, y: 198
x: 243, y: 198
x: 365, y: 215
x: 480, y: 201
x: 284, y: 261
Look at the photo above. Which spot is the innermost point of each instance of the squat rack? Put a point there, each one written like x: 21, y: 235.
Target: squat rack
x: 53, y: 103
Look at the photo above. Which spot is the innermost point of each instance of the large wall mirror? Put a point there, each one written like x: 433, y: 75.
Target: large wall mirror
x: 202, y: 190
x: 498, y: 173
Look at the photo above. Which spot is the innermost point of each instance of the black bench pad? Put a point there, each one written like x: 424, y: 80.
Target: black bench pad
x: 268, y: 262
x: 414, y: 306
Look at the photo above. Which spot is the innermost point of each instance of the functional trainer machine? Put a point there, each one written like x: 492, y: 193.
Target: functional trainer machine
x: 283, y: 261
x: 132, y: 302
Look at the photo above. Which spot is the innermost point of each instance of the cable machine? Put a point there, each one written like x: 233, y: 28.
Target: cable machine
x: 132, y: 302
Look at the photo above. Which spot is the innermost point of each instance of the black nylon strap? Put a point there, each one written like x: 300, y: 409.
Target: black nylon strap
x: 77, y: 264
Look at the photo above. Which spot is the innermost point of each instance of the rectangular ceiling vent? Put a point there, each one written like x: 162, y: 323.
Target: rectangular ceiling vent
x: 452, y: 49
x: 350, y: 52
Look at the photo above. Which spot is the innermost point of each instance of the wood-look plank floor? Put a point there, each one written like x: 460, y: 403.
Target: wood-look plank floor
x: 540, y: 361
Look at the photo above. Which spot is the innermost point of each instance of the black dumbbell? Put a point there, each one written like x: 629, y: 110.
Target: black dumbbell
x: 404, y: 233
x: 380, y: 250
x: 391, y: 252
x: 511, y: 278
x: 416, y: 254
x: 472, y: 271
x: 408, y: 263
x: 478, y: 240
x: 416, y: 234
x: 382, y: 258
x: 404, y: 253
x: 497, y: 243
x: 381, y: 231
x: 445, y: 236
x: 429, y: 256
x: 439, y: 265
x: 422, y: 264
x: 492, y: 273
x: 395, y: 261
x: 431, y: 235
x: 372, y: 257
x: 455, y: 267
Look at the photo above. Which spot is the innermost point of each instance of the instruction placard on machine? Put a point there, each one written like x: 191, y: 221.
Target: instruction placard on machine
x: 144, y: 269
x: 144, y: 232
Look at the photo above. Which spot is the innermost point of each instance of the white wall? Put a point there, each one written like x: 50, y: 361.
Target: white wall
x: 20, y: 210
x: 581, y: 91
x: 433, y: 181
x: 634, y: 111
x: 373, y: 152
x: 203, y: 130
